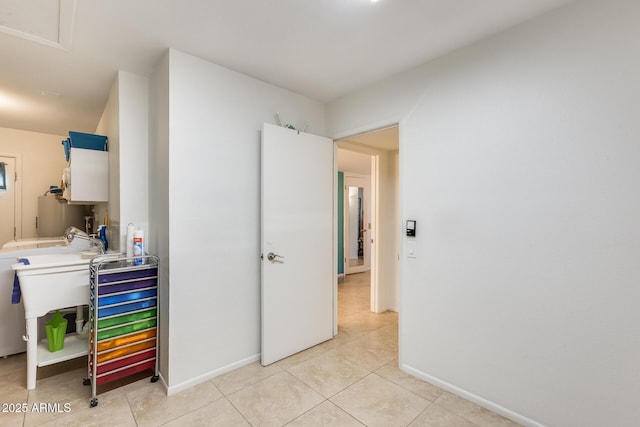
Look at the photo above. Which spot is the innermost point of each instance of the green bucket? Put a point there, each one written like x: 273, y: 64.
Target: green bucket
x: 56, y: 330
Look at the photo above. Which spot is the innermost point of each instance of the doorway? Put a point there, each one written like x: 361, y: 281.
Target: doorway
x: 10, y: 206
x: 381, y: 226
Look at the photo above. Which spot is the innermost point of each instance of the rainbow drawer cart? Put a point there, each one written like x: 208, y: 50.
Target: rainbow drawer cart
x: 123, y: 312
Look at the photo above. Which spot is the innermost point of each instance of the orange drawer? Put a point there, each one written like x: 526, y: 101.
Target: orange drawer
x: 121, y: 352
x: 117, y: 342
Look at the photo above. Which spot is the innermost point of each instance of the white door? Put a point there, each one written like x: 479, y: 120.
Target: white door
x: 298, y: 266
x: 7, y: 200
x: 357, y: 218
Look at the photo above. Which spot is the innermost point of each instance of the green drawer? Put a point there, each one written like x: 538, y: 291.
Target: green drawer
x: 126, y: 329
x: 126, y: 318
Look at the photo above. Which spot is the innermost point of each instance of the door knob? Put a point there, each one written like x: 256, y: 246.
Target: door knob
x: 272, y: 257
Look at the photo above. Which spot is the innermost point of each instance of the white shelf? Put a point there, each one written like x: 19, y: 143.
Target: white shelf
x: 74, y: 346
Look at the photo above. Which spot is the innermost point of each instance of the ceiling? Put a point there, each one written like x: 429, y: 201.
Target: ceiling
x: 382, y: 139
x: 385, y: 139
x: 352, y: 162
x: 59, y: 61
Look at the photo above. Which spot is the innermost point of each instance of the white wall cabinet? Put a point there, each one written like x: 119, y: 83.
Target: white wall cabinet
x: 87, y: 178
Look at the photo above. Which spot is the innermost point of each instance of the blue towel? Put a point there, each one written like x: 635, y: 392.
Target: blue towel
x: 16, y: 294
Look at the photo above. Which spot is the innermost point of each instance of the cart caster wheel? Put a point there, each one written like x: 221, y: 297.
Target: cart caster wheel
x: 86, y: 381
x: 155, y: 378
x: 94, y: 402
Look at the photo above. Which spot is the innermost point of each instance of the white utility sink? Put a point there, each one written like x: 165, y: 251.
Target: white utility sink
x: 54, y: 281
x: 48, y: 283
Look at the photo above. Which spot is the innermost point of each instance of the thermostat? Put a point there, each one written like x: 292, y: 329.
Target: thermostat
x: 411, y: 228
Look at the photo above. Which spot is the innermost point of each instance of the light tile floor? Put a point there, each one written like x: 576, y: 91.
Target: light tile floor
x: 351, y: 380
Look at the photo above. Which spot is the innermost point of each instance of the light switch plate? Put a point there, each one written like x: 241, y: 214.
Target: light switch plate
x: 411, y: 250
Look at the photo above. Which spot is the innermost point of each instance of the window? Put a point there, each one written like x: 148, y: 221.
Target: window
x: 3, y: 177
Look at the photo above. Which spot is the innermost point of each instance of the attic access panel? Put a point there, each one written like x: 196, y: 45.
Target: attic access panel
x: 47, y: 22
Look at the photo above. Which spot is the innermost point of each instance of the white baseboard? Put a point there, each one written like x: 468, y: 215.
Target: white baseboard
x: 209, y: 375
x: 513, y: 416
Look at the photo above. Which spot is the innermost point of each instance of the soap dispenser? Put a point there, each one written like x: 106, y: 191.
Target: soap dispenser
x: 102, y: 235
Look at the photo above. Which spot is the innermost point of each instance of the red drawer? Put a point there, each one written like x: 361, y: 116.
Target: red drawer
x: 151, y: 364
x: 106, y: 367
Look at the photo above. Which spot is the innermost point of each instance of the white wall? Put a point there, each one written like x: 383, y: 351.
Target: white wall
x: 213, y: 194
x: 389, y: 231
x: 134, y: 147
x: 159, y: 163
x: 519, y: 160
x: 42, y: 163
x: 109, y: 126
x: 125, y: 121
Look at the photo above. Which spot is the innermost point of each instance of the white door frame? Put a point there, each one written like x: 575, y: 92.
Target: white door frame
x: 341, y: 139
x: 17, y: 195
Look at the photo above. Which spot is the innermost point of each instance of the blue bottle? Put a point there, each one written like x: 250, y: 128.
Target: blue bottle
x: 102, y: 235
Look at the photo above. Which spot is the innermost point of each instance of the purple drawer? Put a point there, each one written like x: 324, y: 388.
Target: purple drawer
x: 126, y: 275
x: 129, y: 286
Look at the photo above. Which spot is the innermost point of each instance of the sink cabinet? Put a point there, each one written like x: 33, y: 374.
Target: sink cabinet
x: 51, y: 282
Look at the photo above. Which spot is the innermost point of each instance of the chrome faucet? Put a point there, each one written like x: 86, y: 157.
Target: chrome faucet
x: 73, y: 232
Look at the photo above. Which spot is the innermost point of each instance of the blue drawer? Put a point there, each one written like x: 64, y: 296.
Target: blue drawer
x: 126, y: 297
x: 125, y: 308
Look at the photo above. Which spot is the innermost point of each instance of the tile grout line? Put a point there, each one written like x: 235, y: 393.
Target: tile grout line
x: 247, y: 385
x: 135, y: 419
x: 238, y: 411
x: 308, y: 410
x: 420, y: 413
x: 407, y: 389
